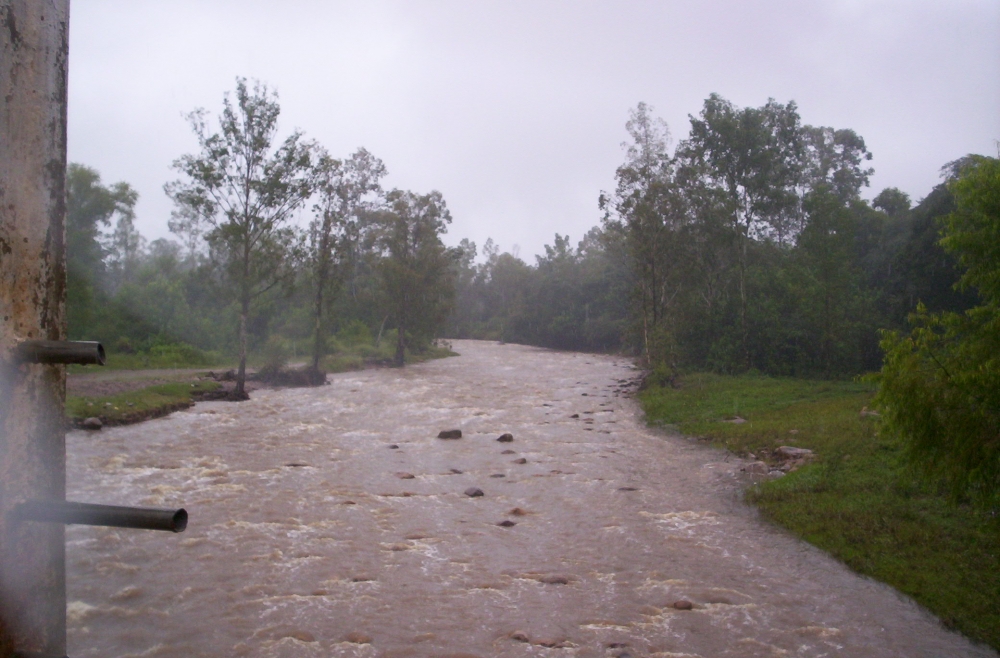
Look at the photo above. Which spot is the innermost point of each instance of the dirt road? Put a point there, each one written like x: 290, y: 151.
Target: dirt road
x: 333, y: 522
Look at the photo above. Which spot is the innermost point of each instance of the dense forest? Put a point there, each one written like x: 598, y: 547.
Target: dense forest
x: 745, y: 246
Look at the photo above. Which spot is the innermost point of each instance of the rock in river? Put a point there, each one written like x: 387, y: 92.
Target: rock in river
x: 506, y: 438
x: 474, y: 492
x: 92, y: 423
x: 450, y: 434
x: 789, y: 452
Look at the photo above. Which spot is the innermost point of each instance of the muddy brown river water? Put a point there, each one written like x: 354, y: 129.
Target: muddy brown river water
x: 311, y: 535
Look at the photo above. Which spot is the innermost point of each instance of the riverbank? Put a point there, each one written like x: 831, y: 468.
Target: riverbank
x: 853, y: 497
x: 125, y: 396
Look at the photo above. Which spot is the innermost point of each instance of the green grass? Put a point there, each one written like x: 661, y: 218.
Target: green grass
x: 135, y: 406
x: 158, y: 360
x: 347, y: 357
x: 858, y: 500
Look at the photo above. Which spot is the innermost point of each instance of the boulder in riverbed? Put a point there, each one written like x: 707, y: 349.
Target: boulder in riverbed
x: 789, y: 452
x: 758, y: 468
x: 450, y: 434
x: 506, y: 438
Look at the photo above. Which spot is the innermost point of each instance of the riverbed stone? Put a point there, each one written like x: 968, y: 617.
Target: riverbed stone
x: 450, y: 434
x: 358, y: 638
x: 790, y: 452
x: 520, y: 460
x: 509, y: 452
x: 474, y: 492
x: 506, y: 438
x: 683, y: 604
x: 405, y: 476
x: 758, y: 467
x: 507, y: 524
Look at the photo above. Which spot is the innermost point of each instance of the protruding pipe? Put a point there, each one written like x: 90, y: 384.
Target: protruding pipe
x: 83, y: 352
x: 143, y: 518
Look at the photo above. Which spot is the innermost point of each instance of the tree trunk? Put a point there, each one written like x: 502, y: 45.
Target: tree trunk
x: 241, y: 374
x: 401, y: 346
x: 747, y: 363
x: 319, y: 344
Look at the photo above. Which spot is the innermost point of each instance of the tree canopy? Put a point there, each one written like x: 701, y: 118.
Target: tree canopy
x: 246, y: 188
x: 940, y: 385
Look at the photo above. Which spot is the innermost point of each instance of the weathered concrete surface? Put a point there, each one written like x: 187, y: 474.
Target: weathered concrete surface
x: 311, y: 535
x: 33, y: 52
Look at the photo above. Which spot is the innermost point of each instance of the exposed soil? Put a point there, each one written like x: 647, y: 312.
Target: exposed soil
x: 115, y: 382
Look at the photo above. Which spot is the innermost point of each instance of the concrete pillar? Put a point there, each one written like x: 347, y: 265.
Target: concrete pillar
x: 34, y: 46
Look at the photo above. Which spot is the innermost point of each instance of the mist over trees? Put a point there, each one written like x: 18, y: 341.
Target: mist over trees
x: 745, y: 245
x: 246, y: 277
x: 245, y: 190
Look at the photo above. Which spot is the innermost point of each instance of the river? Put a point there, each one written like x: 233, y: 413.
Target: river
x: 333, y: 522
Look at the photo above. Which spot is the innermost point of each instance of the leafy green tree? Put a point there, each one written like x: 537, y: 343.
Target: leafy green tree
x: 245, y: 188
x: 90, y: 206
x: 892, y: 201
x: 416, y: 266
x: 649, y: 211
x: 940, y: 385
x: 348, y: 189
x: 830, y: 292
x: 754, y: 157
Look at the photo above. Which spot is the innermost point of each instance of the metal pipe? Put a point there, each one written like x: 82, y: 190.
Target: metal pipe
x: 83, y: 352
x: 143, y: 518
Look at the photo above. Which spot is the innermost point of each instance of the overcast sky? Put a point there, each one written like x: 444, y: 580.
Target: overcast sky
x: 515, y: 109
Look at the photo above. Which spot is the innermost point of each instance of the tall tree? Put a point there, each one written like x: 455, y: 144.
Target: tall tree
x: 416, y: 266
x: 348, y: 189
x: 940, y: 386
x: 90, y: 206
x: 647, y: 208
x: 754, y: 156
x: 246, y: 188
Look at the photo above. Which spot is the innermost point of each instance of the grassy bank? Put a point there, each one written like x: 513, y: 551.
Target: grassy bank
x: 139, y: 405
x: 347, y: 356
x: 857, y: 500
x: 163, y: 398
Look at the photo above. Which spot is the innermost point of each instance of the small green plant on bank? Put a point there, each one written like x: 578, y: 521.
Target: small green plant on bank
x: 859, y: 499
x: 122, y: 356
x: 133, y: 406
x: 353, y: 352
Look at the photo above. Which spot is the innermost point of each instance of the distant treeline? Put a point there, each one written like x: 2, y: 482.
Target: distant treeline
x: 747, y: 246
